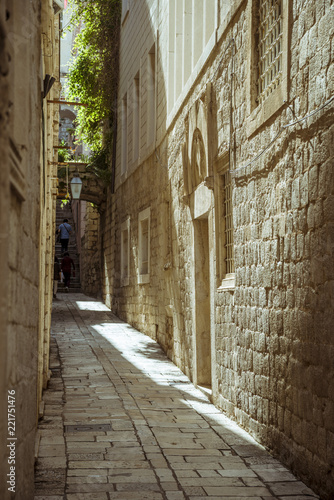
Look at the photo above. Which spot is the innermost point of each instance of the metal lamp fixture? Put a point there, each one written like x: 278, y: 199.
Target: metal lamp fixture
x: 76, y: 185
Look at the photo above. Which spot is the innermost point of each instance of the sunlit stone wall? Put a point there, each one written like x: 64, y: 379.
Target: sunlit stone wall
x: 261, y: 338
x: 28, y: 190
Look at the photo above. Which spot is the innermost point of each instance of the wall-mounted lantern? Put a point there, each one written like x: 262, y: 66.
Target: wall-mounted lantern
x: 76, y: 185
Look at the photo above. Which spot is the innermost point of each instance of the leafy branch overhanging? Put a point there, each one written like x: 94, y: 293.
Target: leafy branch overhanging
x: 93, y: 73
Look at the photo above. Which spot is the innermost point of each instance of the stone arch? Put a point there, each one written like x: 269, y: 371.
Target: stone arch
x: 198, y: 169
x: 93, y: 188
x: 195, y: 156
x: 67, y: 113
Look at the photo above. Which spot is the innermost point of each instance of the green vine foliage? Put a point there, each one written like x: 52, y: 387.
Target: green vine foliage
x: 93, y: 74
x: 97, y: 165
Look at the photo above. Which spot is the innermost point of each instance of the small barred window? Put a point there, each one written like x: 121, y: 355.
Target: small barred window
x: 229, y: 257
x: 125, y: 252
x: 270, y: 47
x: 144, y: 246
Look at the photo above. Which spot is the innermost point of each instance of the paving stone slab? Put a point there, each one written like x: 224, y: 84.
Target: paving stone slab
x: 298, y: 497
x: 86, y: 479
x: 175, y: 495
x: 52, y: 475
x: 128, y: 495
x: 108, y: 464
x: 231, y: 462
x: 244, y: 472
x: 87, y: 496
x: 290, y: 488
x: 274, y: 475
x: 207, y: 473
x: 124, y: 452
x: 193, y: 452
x: 53, y: 450
x: 138, y: 487
x: 87, y: 447
x: 51, y: 440
x: 252, y: 481
x: 77, y: 438
x: 194, y: 490
x: 187, y: 473
x: 194, y: 466
x: 51, y: 462
x: 213, y: 497
x: 275, y: 466
x: 49, y: 497
x: 250, y: 451
x: 49, y: 489
x: 85, y: 456
x: 89, y: 488
x: 237, y: 491
x: 87, y: 472
x: 169, y: 486
x: 159, y: 463
x: 211, y: 481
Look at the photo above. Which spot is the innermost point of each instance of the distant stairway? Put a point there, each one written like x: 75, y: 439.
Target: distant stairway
x: 61, y: 214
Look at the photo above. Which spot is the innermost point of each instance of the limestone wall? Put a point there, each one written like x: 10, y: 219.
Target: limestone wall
x: 27, y: 190
x: 4, y: 221
x: 259, y: 337
x: 90, y: 252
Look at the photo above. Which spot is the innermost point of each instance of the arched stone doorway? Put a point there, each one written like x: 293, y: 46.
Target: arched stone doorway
x: 200, y: 199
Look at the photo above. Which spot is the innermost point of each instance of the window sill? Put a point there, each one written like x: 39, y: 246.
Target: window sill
x: 125, y: 281
x: 264, y: 111
x: 143, y: 279
x: 228, y: 283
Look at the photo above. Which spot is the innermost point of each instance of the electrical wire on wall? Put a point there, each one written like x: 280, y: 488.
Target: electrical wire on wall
x: 232, y: 170
x: 281, y: 130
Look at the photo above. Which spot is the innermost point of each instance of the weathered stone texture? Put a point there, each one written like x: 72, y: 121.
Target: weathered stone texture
x: 27, y: 197
x: 271, y: 332
x: 90, y: 261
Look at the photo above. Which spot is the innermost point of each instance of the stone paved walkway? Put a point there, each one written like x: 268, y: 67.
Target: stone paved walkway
x: 122, y: 422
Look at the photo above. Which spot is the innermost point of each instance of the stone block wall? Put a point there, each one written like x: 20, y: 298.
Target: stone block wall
x: 133, y: 302
x: 27, y: 190
x: 4, y: 221
x: 107, y: 222
x: 90, y: 261
x: 270, y: 339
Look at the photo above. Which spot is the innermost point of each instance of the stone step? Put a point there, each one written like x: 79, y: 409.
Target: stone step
x: 74, y: 282
x: 61, y: 214
x: 71, y: 289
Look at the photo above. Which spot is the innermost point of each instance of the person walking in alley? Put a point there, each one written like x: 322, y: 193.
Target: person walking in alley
x: 65, y: 230
x: 56, y: 276
x: 66, y: 267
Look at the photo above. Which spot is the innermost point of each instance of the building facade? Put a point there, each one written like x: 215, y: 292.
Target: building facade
x: 218, y: 239
x: 29, y: 77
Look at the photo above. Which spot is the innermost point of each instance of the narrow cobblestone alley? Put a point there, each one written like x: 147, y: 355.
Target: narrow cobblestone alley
x: 121, y: 421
